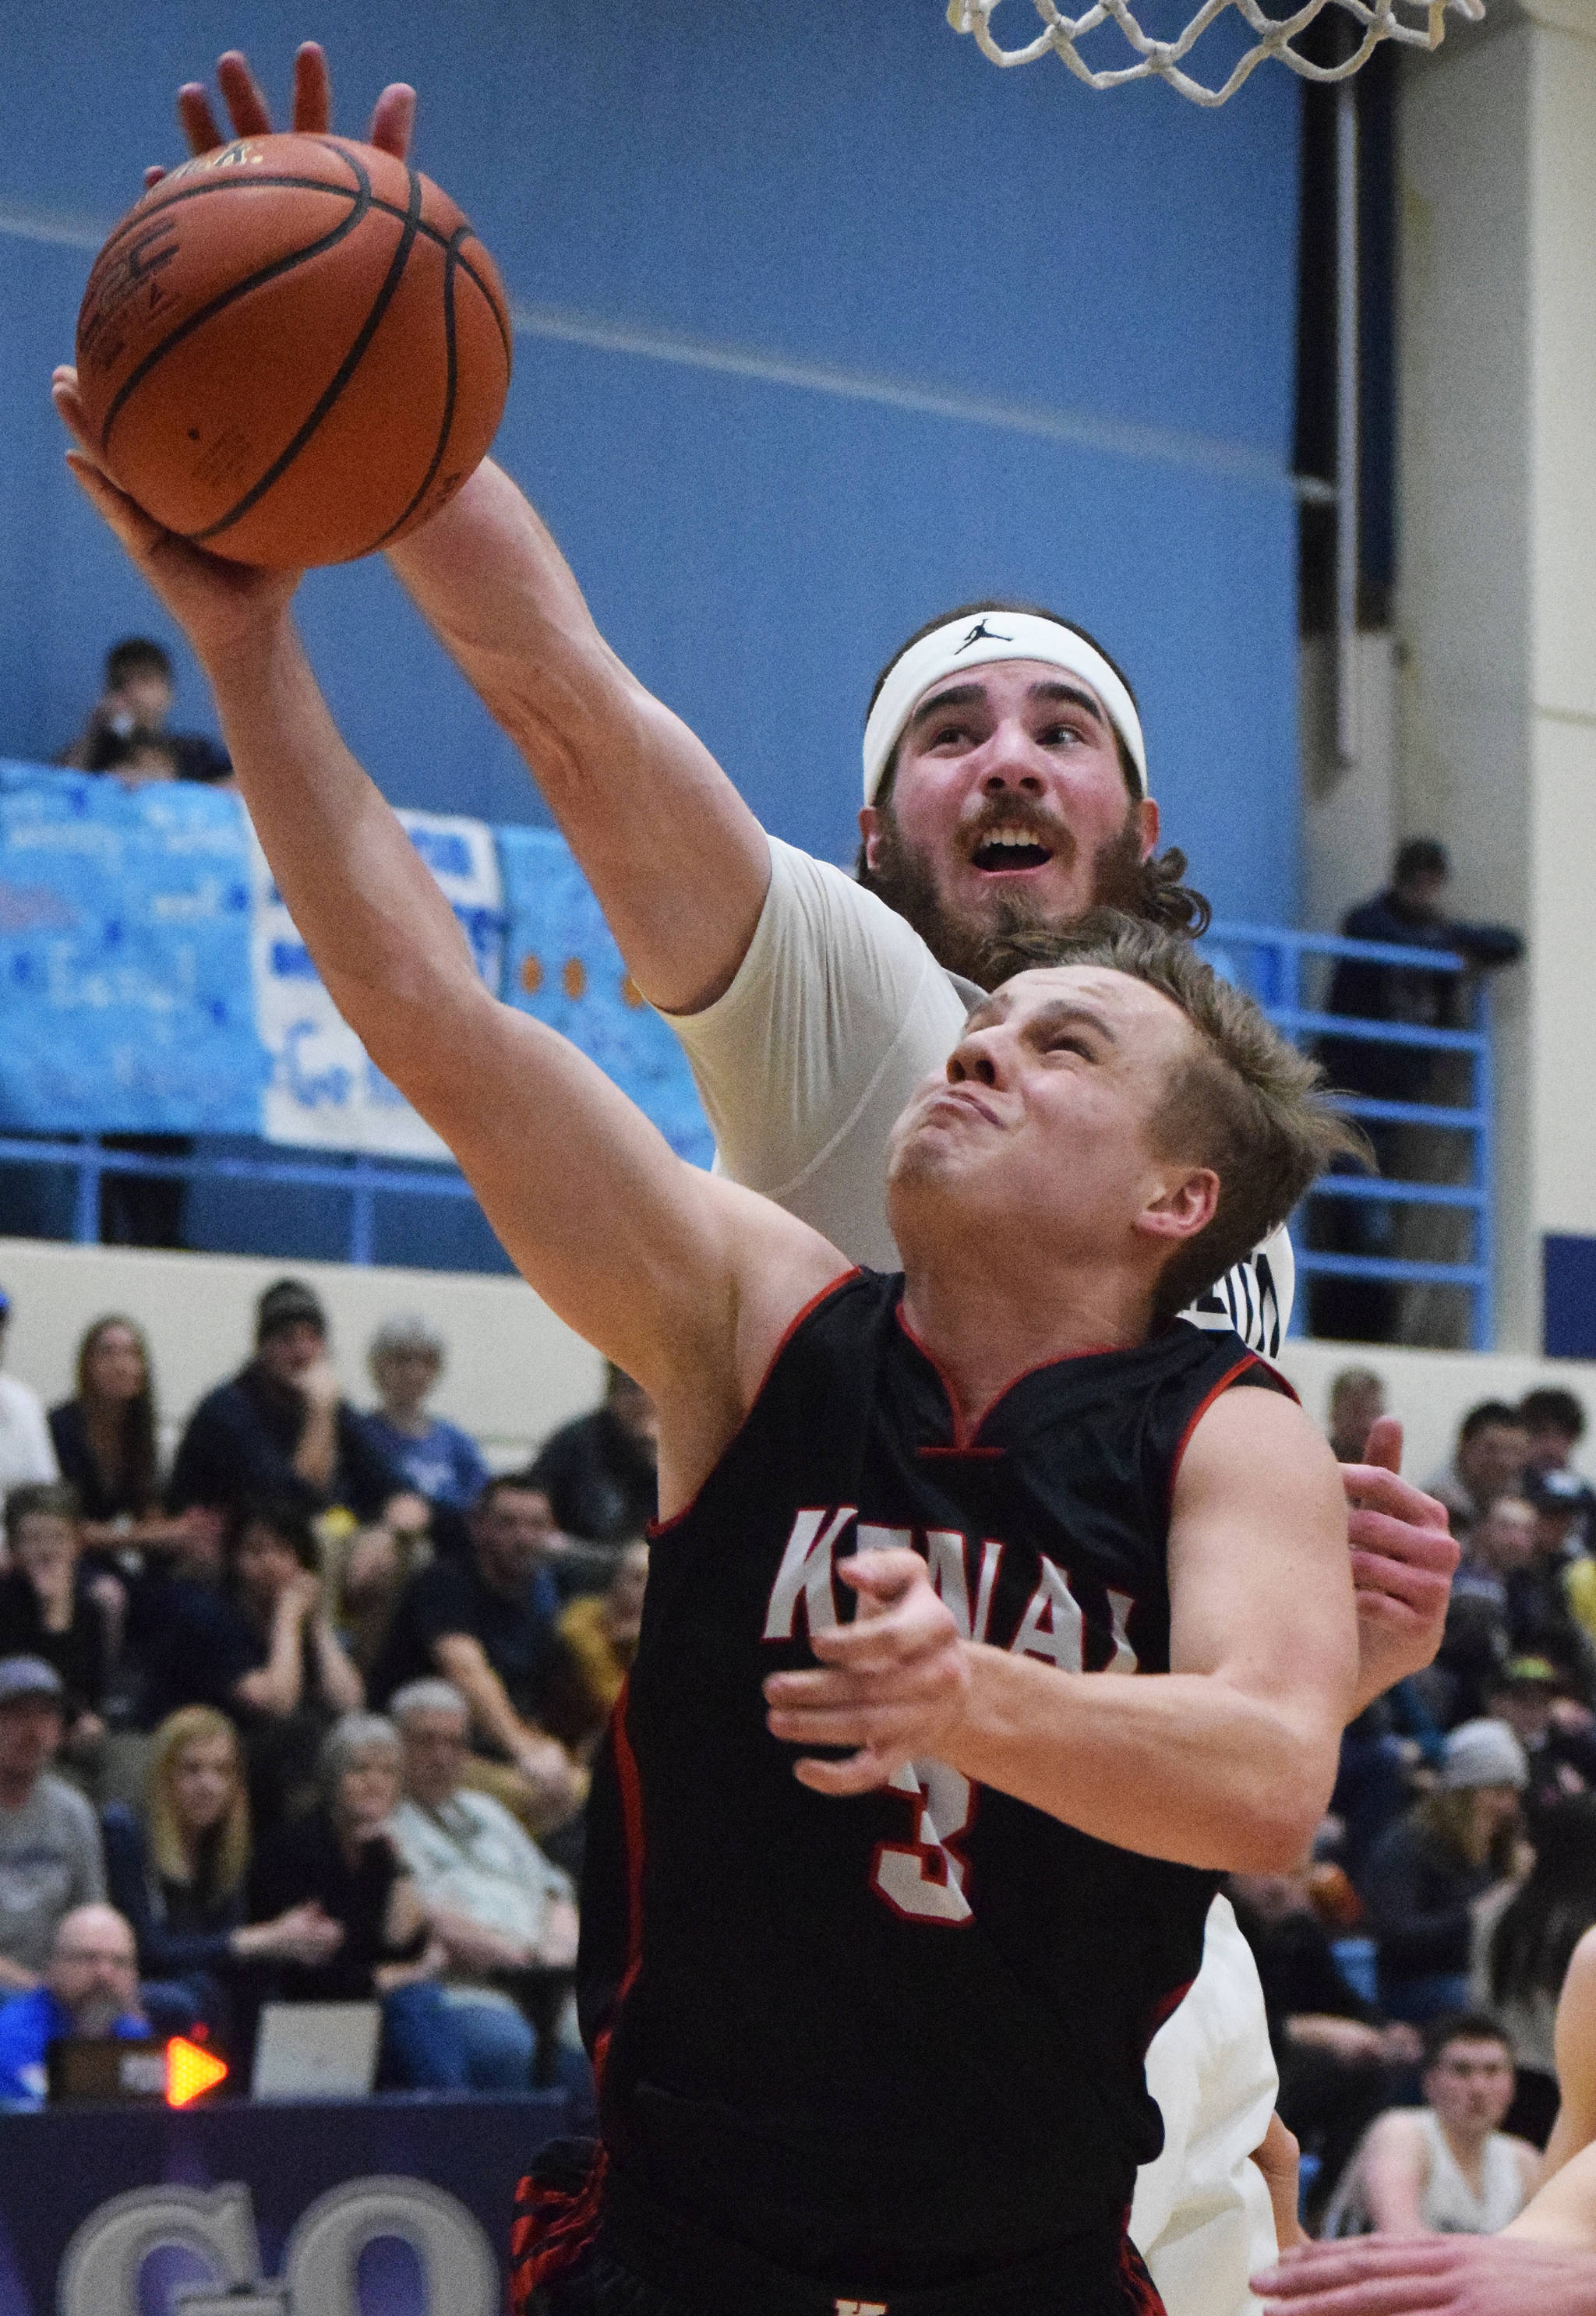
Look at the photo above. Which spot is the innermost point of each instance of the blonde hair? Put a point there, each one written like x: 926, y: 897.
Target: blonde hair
x: 195, y: 1724
x: 1450, y: 1821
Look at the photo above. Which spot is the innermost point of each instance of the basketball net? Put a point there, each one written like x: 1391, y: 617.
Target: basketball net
x: 1378, y: 19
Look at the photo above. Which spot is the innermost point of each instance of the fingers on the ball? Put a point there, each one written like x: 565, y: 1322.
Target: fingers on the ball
x: 248, y: 109
x: 198, y: 121
x: 313, y: 91
x: 393, y: 121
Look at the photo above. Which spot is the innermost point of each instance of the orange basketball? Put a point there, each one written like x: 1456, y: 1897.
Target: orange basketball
x: 293, y: 350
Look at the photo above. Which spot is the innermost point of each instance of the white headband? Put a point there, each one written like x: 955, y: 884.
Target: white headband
x: 971, y: 643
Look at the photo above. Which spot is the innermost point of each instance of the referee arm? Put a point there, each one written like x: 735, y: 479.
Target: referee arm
x: 1226, y: 1761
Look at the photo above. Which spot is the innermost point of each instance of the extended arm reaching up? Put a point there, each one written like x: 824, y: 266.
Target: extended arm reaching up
x: 684, y: 1280
x: 678, y: 862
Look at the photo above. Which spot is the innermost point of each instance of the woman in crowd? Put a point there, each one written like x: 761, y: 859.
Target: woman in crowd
x: 1524, y: 1940
x: 180, y: 1877
x: 341, y: 1860
x: 436, y: 1458
x: 598, y: 1639
x: 1423, y: 1877
x: 263, y: 1648
x: 105, y: 1437
x: 48, y: 1608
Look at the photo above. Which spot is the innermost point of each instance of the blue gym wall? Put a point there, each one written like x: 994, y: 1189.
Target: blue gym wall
x: 825, y: 324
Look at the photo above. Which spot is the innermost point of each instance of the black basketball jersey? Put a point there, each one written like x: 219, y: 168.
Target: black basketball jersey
x: 894, y: 2040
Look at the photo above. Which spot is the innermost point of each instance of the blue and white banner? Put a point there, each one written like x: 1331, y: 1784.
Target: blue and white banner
x: 323, y: 1091
x: 561, y: 963
x: 124, y: 957
x: 154, y: 982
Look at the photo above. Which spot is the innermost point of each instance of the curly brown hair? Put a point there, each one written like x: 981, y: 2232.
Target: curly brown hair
x: 1154, y: 890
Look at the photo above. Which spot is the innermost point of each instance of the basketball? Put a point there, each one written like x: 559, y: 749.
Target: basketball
x: 293, y: 350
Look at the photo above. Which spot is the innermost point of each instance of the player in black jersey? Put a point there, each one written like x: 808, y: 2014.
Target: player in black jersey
x: 869, y: 2028
x: 869, y: 2023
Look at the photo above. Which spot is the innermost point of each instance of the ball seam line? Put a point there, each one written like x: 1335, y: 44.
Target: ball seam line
x: 359, y: 206
x: 346, y: 368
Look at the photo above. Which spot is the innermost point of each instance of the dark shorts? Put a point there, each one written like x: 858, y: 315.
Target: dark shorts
x: 634, y: 2259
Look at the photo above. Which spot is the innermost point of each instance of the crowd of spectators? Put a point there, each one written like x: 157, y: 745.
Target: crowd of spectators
x: 1412, y: 1965
x: 308, y: 1714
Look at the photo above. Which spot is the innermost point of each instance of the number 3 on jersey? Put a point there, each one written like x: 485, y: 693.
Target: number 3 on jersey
x: 925, y: 1878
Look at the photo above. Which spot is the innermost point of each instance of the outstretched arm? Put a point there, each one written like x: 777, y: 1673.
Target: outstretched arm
x: 1226, y: 1760
x: 678, y: 862
x: 684, y: 1280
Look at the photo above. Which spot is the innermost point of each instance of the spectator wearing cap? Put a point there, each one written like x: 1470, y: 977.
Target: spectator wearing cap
x: 25, y: 1449
x: 1542, y: 1620
x: 49, y: 1844
x: 1489, y: 1461
x: 1426, y: 1873
x: 90, y: 1991
x: 434, y: 1457
x: 280, y: 1429
x: 1557, y: 1732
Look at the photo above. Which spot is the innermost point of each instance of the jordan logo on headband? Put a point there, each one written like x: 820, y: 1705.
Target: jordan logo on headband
x: 982, y: 633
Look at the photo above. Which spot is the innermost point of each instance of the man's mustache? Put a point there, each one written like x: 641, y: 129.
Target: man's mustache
x: 1017, y: 812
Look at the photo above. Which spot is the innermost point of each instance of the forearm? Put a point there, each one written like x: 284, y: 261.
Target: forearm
x: 468, y: 1944
x: 279, y: 1683
x: 1564, y: 2211
x: 384, y: 938
x: 341, y: 1683
x: 1178, y: 1765
x: 493, y: 1715
x: 677, y: 861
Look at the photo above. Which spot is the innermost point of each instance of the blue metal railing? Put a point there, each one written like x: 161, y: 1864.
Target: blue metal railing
x: 1272, y: 963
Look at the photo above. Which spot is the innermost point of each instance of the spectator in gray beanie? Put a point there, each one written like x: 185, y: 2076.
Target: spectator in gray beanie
x: 1423, y: 1876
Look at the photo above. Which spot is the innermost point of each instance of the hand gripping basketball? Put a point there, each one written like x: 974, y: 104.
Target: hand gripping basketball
x: 218, y: 604
x: 393, y: 118
x: 293, y: 350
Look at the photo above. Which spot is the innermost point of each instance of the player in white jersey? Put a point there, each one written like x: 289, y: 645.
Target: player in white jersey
x: 809, y: 1006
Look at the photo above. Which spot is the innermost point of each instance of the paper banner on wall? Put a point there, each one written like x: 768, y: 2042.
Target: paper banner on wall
x: 561, y: 964
x: 124, y: 957
x: 323, y: 1091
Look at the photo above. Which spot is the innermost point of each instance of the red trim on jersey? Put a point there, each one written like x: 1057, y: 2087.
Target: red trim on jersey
x: 964, y: 1433
x: 1250, y: 1359
x: 1141, y: 2293
x: 553, y: 2227
x: 658, y: 1528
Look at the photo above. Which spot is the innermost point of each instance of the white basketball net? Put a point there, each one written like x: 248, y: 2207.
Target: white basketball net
x: 1379, y: 18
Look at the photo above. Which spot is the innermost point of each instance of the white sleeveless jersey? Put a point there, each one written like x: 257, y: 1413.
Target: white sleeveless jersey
x: 1449, y: 2205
